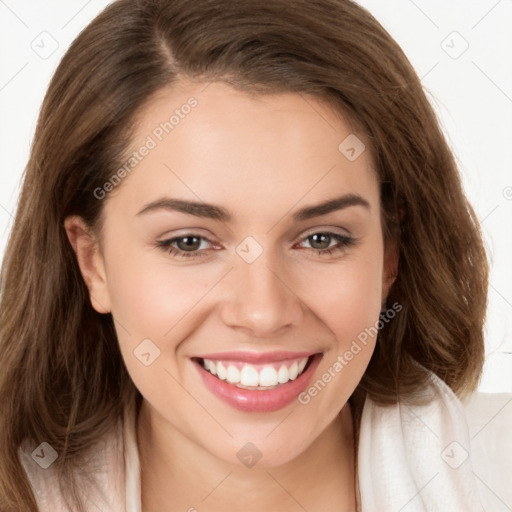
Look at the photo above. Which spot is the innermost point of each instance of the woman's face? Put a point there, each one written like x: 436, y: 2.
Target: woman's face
x: 246, y: 237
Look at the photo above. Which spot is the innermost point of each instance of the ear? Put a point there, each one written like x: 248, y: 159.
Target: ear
x: 390, y: 267
x: 90, y: 260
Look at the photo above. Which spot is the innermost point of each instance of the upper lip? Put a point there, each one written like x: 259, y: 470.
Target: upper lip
x: 256, y: 357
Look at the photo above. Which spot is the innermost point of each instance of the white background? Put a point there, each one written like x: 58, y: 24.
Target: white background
x: 471, y: 89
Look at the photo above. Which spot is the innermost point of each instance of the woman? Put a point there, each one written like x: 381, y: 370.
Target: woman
x: 243, y: 273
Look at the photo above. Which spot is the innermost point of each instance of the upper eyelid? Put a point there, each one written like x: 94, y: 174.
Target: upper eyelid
x: 307, y: 232
x: 332, y: 231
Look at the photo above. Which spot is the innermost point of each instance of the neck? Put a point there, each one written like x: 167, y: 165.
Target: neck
x: 177, y: 473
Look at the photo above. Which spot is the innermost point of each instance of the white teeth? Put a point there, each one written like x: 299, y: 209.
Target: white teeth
x: 222, y: 373
x: 210, y: 366
x: 283, y: 375
x: 248, y: 376
x: 293, y: 371
x: 233, y: 374
x: 268, y: 376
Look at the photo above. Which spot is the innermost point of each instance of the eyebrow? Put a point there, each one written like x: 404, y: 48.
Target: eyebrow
x: 219, y: 213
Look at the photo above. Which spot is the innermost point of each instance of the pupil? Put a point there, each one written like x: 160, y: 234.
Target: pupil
x: 321, y: 239
x: 189, y: 243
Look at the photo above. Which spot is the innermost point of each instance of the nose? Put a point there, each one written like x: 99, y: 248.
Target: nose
x: 260, y: 298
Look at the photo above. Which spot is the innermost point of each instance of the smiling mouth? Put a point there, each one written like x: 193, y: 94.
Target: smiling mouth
x: 256, y: 376
x: 259, y: 383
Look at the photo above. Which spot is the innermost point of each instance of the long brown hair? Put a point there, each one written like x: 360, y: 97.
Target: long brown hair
x: 62, y: 377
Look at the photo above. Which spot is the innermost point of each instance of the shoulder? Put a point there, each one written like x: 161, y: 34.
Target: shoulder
x: 100, y: 477
x: 430, y: 454
x: 489, y: 417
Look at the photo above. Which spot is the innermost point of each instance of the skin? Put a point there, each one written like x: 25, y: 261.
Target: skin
x: 262, y: 158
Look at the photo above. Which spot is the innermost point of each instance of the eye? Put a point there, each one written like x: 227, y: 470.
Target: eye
x: 326, y: 242
x: 192, y: 245
x: 187, y: 246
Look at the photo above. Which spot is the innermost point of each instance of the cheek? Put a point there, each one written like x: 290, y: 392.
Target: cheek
x: 153, y: 305
x: 349, y: 307
x: 147, y: 291
x: 346, y: 297
x: 359, y: 304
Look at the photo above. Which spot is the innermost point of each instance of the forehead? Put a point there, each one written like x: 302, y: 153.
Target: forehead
x: 217, y: 144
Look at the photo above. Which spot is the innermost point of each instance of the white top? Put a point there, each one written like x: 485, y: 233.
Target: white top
x: 445, y: 456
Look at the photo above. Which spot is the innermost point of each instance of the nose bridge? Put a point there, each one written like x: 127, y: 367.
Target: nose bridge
x: 258, y: 297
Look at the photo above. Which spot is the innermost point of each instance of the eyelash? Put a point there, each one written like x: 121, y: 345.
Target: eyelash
x: 343, y: 243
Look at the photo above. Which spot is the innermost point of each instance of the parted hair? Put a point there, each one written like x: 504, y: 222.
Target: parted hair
x: 62, y: 377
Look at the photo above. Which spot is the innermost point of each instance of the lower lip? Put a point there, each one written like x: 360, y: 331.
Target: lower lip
x: 250, y: 400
